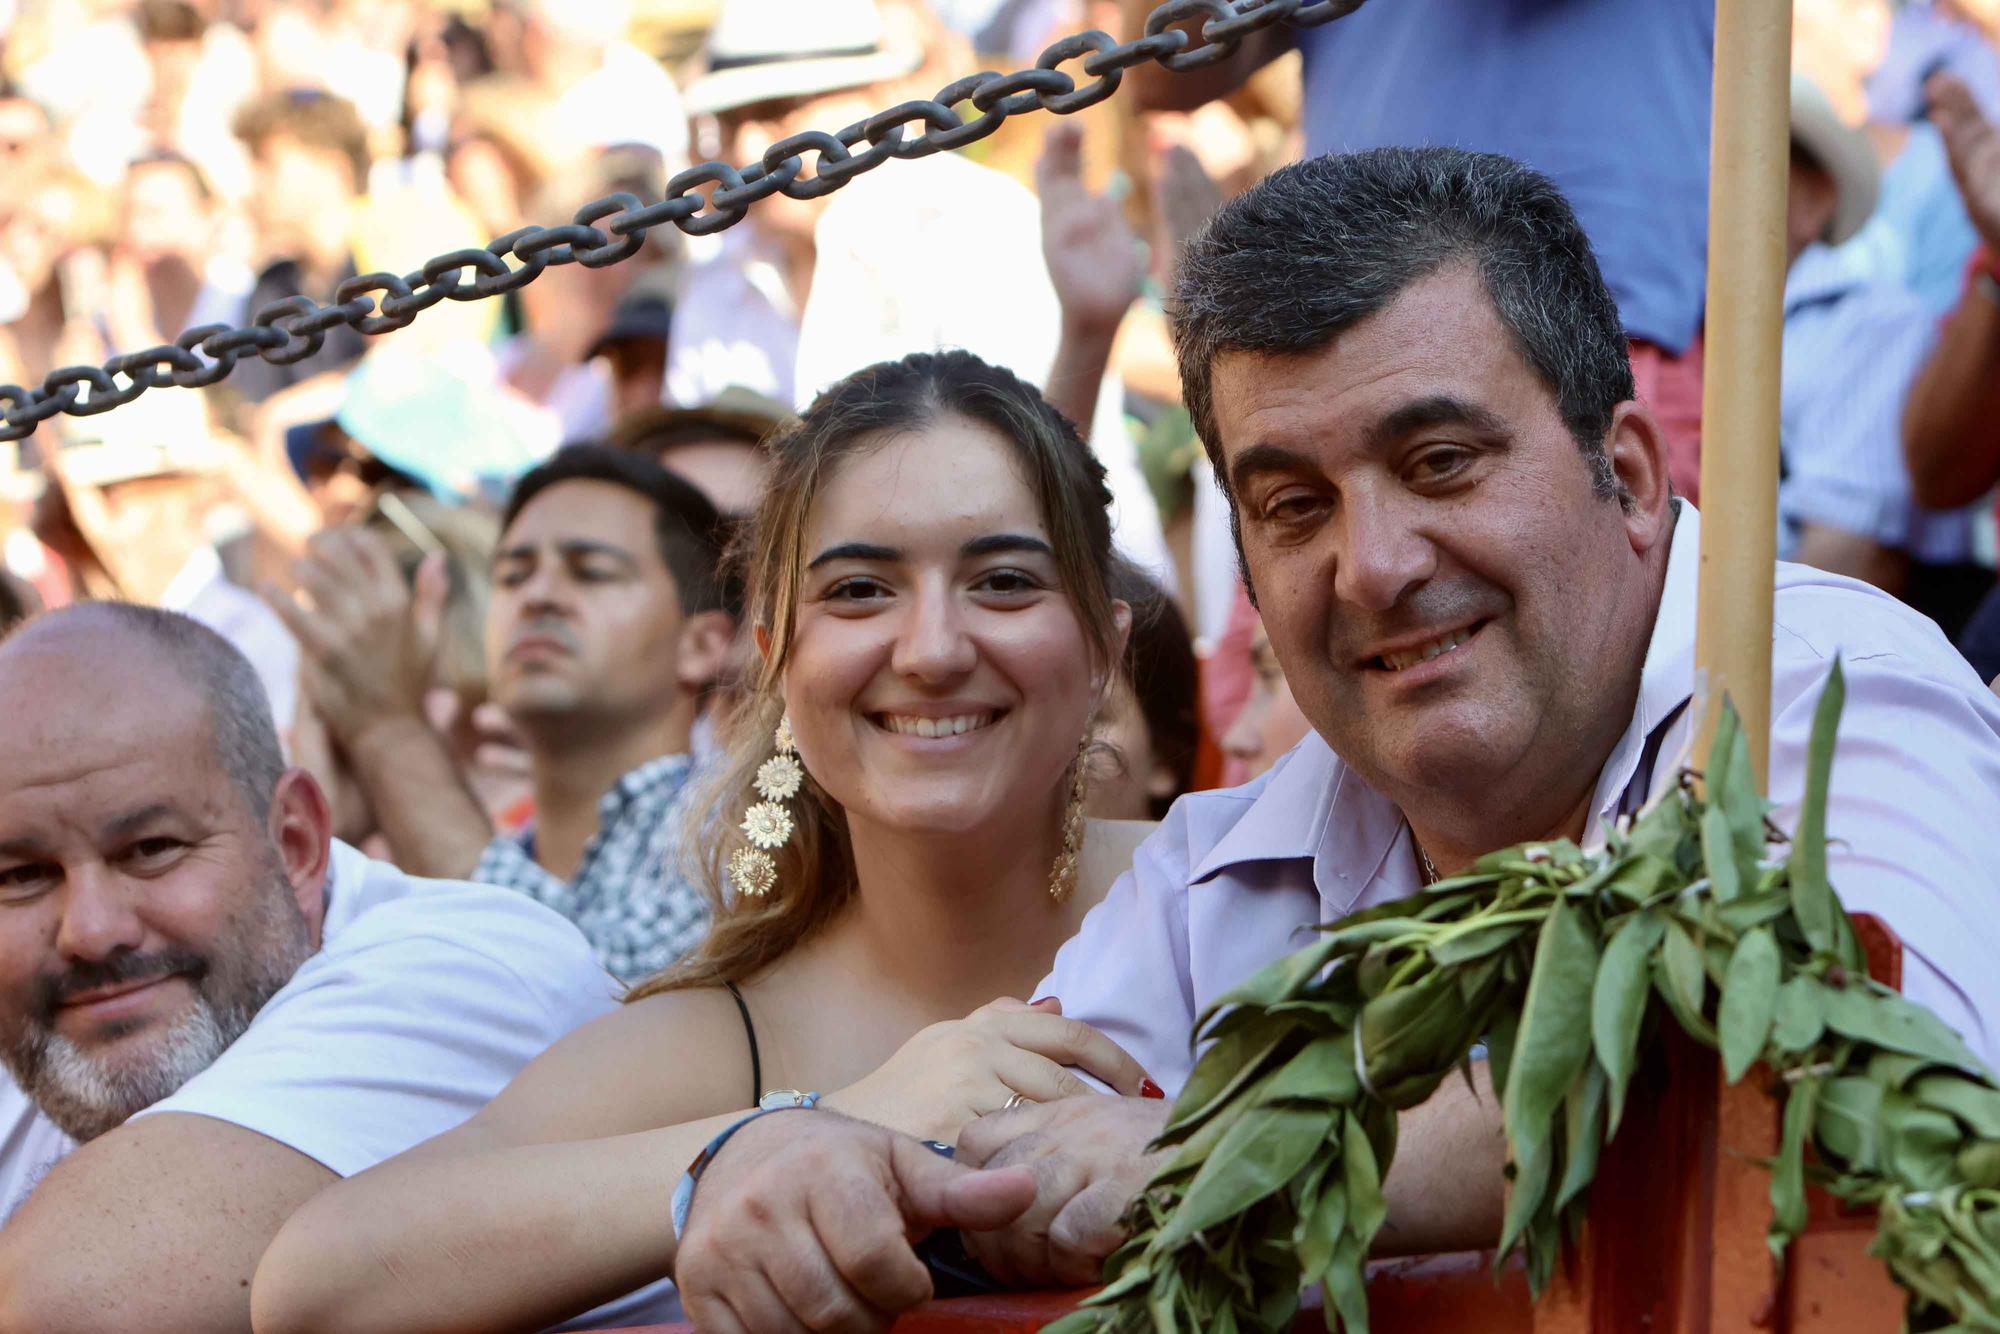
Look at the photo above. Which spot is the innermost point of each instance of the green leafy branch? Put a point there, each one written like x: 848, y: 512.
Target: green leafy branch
x: 1285, y: 1131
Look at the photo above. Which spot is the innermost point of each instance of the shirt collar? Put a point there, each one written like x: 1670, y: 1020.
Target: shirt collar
x: 638, y: 783
x: 647, y: 778
x: 1666, y: 681
x: 1288, y: 816
x: 1313, y: 806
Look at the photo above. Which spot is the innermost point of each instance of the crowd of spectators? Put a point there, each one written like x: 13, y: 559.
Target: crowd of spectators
x: 495, y: 572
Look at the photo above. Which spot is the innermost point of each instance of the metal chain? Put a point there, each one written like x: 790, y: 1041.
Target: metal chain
x: 371, y: 303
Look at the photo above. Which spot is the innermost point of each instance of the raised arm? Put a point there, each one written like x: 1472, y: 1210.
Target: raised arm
x: 1157, y: 88
x: 1093, y: 261
x: 367, y: 642
x: 1951, y: 427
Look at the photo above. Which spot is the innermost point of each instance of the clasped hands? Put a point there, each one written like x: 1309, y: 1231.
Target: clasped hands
x: 367, y: 638
x: 809, y: 1221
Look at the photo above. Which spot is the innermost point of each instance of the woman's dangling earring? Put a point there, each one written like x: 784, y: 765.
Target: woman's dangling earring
x: 767, y: 824
x: 1062, y: 879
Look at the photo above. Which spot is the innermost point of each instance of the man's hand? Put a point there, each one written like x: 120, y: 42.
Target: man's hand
x: 806, y: 1221
x: 1089, y: 1160
x: 1187, y: 196
x: 1972, y: 143
x: 367, y: 642
x: 1092, y: 255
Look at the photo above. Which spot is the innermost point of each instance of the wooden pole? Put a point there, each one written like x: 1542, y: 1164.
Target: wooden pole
x: 1749, y: 172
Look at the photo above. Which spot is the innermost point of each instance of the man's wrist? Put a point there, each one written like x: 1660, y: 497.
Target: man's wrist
x: 683, y: 1197
x: 1091, y: 329
x: 389, y: 734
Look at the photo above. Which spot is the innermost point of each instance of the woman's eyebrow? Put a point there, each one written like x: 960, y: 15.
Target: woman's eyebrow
x: 994, y: 543
x: 854, y: 551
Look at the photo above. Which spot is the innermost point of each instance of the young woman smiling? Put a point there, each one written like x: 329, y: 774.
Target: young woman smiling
x: 894, y: 839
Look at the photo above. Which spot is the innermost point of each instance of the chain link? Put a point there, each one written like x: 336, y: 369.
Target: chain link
x: 613, y: 228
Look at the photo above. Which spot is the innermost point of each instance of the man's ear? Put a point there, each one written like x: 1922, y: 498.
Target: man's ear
x: 300, y: 827
x: 1637, y: 449
x: 703, y: 653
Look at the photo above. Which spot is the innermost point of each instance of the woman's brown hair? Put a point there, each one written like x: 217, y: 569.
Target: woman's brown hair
x: 816, y: 874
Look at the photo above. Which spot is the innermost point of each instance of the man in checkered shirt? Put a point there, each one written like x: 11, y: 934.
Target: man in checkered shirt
x: 608, y: 623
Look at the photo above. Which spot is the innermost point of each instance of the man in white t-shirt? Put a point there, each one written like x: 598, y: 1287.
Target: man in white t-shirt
x: 210, y: 1010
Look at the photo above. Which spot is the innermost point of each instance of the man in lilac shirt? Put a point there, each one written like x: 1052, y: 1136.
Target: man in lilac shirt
x: 1458, y: 526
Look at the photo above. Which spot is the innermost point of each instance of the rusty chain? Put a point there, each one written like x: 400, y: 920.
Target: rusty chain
x: 371, y: 303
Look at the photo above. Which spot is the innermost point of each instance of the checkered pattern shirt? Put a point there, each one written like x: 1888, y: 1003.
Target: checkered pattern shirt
x: 628, y: 895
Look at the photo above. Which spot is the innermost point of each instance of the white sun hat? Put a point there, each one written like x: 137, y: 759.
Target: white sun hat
x: 1843, y: 151
x: 761, y: 50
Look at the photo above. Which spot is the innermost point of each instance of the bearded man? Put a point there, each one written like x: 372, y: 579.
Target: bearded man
x: 208, y: 1008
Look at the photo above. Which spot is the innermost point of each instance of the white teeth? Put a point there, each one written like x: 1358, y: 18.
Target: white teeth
x: 936, y: 727
x: 1397, y: 662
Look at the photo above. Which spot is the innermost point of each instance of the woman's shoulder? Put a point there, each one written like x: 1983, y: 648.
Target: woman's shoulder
x: 662, y: 1060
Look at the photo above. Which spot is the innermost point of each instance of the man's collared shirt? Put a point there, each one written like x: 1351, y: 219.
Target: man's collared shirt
x: 629, y: 896
x: 1853, y: 347
x: 1233, y: 880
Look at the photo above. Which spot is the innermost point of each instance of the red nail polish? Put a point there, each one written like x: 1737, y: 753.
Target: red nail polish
x: 1148, y: 1089
x: 1039, y: 1000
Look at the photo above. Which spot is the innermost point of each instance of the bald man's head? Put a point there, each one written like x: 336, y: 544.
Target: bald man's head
x: 162, y: 873
x: 122, y: 656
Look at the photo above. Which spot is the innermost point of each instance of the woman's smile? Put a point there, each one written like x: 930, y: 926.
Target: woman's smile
x: 957, y: 726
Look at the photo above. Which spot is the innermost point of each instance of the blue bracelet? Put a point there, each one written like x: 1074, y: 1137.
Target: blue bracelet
x: 684, y: 1188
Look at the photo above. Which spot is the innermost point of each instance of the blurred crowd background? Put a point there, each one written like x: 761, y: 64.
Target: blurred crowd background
x: 169, y: 164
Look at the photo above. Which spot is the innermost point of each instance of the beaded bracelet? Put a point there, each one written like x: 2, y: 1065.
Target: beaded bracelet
x: 683, y: 1199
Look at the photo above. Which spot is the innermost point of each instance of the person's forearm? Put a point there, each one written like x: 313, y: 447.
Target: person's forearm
x: 1153, y: 87
x: 1446, y: 1190
x: 489, y: 1240
x: 1082, y: 355
x: 1839, y: 552
x: 433, y: 823
x: 1951, y: 425
x: 157, y: 1225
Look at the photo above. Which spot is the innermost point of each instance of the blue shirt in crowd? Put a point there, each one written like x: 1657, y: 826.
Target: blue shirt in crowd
x: 1920, y: 235
x: 1609, y: 98
x: 1853, y: 344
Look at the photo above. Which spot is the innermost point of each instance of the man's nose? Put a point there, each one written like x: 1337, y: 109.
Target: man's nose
x: 100, y: 915
x: 932, y: 643
x: 1382, y: 555
x: 542, y: 591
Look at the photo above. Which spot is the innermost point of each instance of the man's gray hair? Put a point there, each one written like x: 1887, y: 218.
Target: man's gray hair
x: 239, y: 710
x: 1320, y: 245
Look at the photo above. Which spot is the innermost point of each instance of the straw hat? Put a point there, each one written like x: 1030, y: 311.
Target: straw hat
x: 1842, y: 151
x: 761, y: 50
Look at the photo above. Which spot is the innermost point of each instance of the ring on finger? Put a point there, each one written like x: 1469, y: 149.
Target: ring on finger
x: 1015, y: 1101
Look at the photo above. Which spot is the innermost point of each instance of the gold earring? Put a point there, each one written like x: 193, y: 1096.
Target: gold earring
x: 1062, y: 878
x: 767, y: 824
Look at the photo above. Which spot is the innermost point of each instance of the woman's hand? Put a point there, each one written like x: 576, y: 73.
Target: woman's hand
x: 952, y: 1073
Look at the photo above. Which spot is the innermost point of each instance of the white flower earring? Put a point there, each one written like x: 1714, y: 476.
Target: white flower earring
x: 767, y: 824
